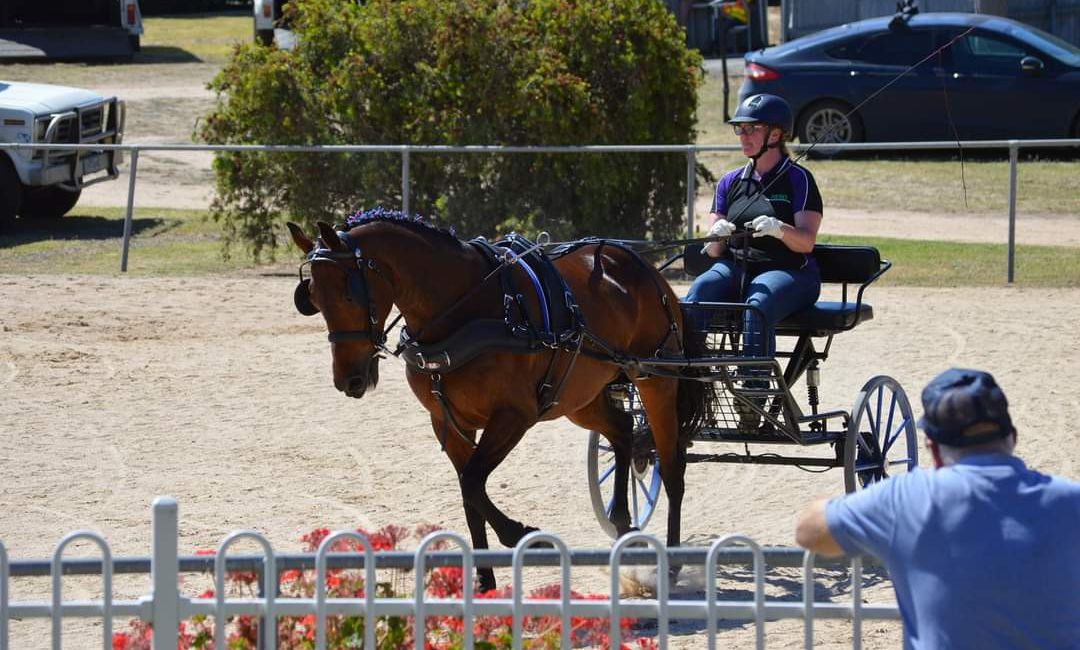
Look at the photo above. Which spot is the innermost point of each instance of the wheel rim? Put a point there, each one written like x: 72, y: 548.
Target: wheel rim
x: 881, y: 437
x: 829, y: 125
x: 644, y: 474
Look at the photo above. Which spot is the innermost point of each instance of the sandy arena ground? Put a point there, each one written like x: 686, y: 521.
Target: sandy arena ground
x: 214, y: 391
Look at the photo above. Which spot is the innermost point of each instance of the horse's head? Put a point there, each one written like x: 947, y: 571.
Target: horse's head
x: 354, y: 298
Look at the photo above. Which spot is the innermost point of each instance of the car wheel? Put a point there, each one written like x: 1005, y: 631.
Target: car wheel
x: 828, y: 122
x: 264, y: 36
x: 50, y: 202
x: 11, y: 190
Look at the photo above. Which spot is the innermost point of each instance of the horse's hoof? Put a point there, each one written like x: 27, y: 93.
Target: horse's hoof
x: 485, y: 581
x: 525, y: 530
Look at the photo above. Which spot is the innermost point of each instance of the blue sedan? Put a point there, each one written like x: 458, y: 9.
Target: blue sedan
x: 1001, y: 80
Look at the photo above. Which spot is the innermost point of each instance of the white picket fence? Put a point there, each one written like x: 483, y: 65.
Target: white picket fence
x: 165, y: 607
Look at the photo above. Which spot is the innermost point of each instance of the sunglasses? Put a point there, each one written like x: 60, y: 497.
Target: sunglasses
x: 746, y: 129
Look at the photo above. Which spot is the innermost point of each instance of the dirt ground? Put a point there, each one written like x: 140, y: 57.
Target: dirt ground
x: 215, y: 391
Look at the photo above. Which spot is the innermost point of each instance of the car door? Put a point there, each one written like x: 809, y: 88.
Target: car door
x: 1000, y: 88
x: 909, y: 104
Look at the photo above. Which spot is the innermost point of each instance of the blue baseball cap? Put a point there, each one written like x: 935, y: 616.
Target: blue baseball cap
x: 963, y: 407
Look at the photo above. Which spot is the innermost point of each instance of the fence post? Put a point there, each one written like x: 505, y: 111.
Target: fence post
x: 3, y: 597
x: 691, y: 191
x: 1014, y: 148
x: 130, y: 208
x: 164, y: 572
x: 405, y: 179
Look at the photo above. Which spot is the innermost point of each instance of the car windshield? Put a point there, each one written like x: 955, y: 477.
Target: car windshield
x: 1047, y: 42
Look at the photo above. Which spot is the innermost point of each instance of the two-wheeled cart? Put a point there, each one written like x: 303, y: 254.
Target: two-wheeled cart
x: 754, y: 402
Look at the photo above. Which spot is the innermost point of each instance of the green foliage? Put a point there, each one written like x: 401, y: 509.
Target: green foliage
x: 467, y: 72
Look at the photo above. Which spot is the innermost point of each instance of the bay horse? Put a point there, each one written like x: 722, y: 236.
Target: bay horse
x: 441, y: 284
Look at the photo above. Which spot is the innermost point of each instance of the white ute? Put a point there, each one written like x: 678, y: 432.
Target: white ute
x: 39, y: 183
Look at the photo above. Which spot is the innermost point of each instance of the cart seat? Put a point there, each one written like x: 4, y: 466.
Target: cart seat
x: 843, y: 265
x: 825, y: 317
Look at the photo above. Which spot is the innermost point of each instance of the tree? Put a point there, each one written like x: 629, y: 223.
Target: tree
x: 472, y: 72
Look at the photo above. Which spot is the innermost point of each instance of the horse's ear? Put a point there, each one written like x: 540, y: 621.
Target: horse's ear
x: 300, y: 238
x: 329, y: 236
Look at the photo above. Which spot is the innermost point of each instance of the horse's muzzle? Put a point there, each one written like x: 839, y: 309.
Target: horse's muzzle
x: 358, y: 384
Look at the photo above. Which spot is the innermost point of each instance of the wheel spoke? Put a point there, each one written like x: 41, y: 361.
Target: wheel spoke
x: 649, y: 497
x: 890, y: 439
x: 603, y: 477
x: 888, y: 424
x: 880, y: 399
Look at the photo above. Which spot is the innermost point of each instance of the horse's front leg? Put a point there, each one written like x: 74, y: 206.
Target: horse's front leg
x: 503, y: 432
x: 459, y: 452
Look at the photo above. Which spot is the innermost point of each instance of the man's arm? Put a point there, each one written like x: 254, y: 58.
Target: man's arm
x: 812, y: 531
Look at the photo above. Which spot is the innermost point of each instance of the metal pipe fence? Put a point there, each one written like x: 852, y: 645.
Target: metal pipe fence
x: 164, y: 608
x: 689, y: 150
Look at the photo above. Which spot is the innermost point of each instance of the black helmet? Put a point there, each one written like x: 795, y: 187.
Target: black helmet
x: 767, y: 109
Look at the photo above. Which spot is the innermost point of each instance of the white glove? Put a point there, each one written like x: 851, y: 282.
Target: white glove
x: 722, y: 228
x: 765, y: 226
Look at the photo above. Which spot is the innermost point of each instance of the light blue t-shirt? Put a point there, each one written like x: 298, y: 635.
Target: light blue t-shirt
x: 984, y: 553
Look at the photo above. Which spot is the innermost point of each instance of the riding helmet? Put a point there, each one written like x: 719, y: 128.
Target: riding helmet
x: 767, y: 109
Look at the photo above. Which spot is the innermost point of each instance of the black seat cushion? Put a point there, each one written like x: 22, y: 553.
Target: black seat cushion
x: 825, y: 317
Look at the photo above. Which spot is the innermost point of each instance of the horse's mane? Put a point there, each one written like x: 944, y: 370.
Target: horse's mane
x: 414, y: 222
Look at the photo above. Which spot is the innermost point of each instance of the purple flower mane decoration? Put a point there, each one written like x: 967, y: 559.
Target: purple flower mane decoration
x: 361, y: 217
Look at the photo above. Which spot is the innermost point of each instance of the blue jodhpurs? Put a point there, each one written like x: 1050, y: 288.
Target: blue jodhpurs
x: 778, y: 294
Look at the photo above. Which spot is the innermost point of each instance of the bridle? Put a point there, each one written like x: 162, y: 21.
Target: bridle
x: 356, y: 268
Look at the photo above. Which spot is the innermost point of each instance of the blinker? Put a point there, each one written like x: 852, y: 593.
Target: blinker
x: 302, y: 298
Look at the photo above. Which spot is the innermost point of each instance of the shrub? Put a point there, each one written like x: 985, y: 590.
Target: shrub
x: 468, y: 72
x: 392, y: 632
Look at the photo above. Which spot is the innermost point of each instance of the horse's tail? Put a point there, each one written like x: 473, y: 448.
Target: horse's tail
x: 695, y: 397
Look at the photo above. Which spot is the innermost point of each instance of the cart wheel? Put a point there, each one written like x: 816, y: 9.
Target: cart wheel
x: 881, y: 440
x: 644, y: 471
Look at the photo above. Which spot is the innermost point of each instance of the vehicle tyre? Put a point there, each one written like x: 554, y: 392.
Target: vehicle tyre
x: 136, y: 43
x: 881, y: 437
x: 50, y: 202
x: 644, y: 468
x: 264, y: 36
x: 828, y: 122
x: 11, y: 191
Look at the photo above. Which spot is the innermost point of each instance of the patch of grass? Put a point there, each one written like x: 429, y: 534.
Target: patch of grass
x: 951, y: 264
x: 188, y: 242
x: 209, y: 38
x: 163, y: 242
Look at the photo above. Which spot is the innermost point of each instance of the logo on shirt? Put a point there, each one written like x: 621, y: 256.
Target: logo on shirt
x: 780, y: 197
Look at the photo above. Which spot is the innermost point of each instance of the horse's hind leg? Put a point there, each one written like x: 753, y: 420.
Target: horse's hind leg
x: 617, y: 427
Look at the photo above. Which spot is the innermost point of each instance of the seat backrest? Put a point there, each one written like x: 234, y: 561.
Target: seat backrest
x: 854, y: 264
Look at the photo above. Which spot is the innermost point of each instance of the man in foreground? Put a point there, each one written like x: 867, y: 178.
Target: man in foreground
x: 983, y: 552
